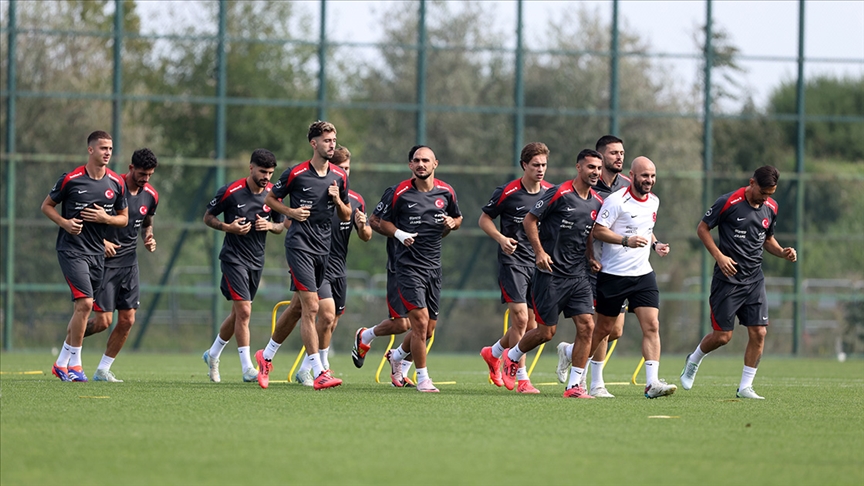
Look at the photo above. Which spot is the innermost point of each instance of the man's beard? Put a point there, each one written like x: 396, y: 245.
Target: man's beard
x: 423, y: 177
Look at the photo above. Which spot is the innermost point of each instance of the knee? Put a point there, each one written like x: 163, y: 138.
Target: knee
x: 125, y: 323
x: 722, y: 337
x: 84, y: 305
x: 402, y: 325
x: 585, y: 325
x: 547, y: 332
x: 615, y: 333
x: 242, y: 312
x: 519, y: 319
x: 651, y: 327
x: 102, y: 322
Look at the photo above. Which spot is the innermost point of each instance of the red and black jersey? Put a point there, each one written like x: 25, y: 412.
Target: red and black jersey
x: 422, y: 213
x: 76, y: 190
x: 742, y: 229
x: 512, y: 202
x: 341, y: 236
x: 236, y: 201
x: 305, y: 188
x: 140, y: 206
x: 381, y: 210
x: 565, y: 222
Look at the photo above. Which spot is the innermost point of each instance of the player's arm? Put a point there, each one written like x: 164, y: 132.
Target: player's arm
x: 532, y: 231
x: 300, y: 214
x: 390, y: 230
x: 662, y: 249
x: 238, y: 227
x: 726, y: 264
x: 361, y: 223
x: 487, y: 224
x: 72, y: 226
x: 147, y: 233
x: 606, y: 235
x: 264, y: 224
x: 97, y: 214
x: 773, y: 247
x: 343, y: 209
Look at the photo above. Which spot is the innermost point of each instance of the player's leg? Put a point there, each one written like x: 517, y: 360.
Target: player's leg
x: 233, y: 279
x: 327, y: 320
x: 755, y: 315
x: 419, y: 318
x: 116, y: 340
x: 579, y: 307
x: 396, y: 324
x: 598, y: 383
x: 650, y: 323
x: 242, y: 310
x: 547, y: 293
x: 724, y: 302
x: 83, y: 274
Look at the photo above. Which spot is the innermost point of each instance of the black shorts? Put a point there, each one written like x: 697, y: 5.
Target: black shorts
x: 334, y: 288
x: 749, y: 302
x: 515, y: 283
x: 552, y: 295
x: 592, y: 277
x: 119, y: 290
x: 394, y: 304
x: 239, y: 282
x: 307, y: 270
x: 84, y: 273
x: 613, y: 290
x: 419, y: 288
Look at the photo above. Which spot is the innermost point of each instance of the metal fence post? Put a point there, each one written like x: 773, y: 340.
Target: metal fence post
x: 9, y: 305
x: 221, y: 89
x: 613, y: 73
x: 322, y: 64
x: 799, y: 312
x: 117, y: 88
x: 519, y: 92
x: 421, y: 76
x: 708, y: 167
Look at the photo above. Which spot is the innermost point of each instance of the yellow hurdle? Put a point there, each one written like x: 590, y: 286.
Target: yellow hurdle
x: 609, y: 353
x: 273, y: 329
x: 639, y: 367
x: 384, y: 359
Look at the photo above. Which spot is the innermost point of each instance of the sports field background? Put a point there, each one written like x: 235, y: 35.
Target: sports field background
x: 166, y: 424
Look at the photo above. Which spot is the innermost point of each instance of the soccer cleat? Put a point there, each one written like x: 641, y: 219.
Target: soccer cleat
x: 304, y: 377
x: 105, y: 375
x: 396, y: 378
x: 213, y: 364
x: 601, y: 392
x: 494, y: 365
x: 576, y: 392
x: 688, y: 374
x: 525, y: 386
x: 264, y: 368
x: 563, y: 362
x: 659, y: 389
x: 407, y: 383
x: 747, y: 392
x: 60, y: 372
x: 250, y: 375
x: 358, y: 352
x: 76, y: 373
x: 508, y: 376
x: 426, y: 386
x: 325, y: 380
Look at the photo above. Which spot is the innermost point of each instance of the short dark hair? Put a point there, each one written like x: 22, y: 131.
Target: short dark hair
x: 97, y: 135
x: 766, y: 176
x: 606, y: 140
x: 532, y: 150
x: 585, y: 153
x: 144, y: 159
x: 413, y: 150
x: 340, y: 155
x: 263, y: 158
x: 320, y: 127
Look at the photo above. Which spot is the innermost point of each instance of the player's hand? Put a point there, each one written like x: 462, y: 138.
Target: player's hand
x: 96, y: 214
x: 359, y: 218
x: 449, y: 222
x: 300, y: 214
x: 405, y: 237
x: 150, y: 243
x: 637, y: 242
x: 333, y: 190
x: 110, y: 248
x: 594, y: 265
x: 662, y: 249
x: 790, y: 254
x: 261, y: 224
x: 238, y: 227
x: 508, y: 245
x: 544, y: 261
x: 73, y: 226
x: 727, y: 265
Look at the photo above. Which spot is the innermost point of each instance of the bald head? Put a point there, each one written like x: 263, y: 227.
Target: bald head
x: 642, y: 176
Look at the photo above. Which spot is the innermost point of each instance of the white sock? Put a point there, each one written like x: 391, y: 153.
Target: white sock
x: 398, y: 354
x: 217, y: 347
x: 422, y: 374
x: 406, y: 366
x: 245, y: 357
x: 74, y: 356
x: 306, y: 365
x: 368, y: 335
x: 315, y: 360
x: 270, y: 350
x: 497, y: 349
x: 106, y: 363
x: 697, y: 356
x: 63, y: 358
x: 521, y: 374
x: 569, y: 351
x: 747, y: 377
x: 575, y: 376
x: 515, y: 354
x: 323, y: 353
x: 652, y: 371
x: 597, y: 374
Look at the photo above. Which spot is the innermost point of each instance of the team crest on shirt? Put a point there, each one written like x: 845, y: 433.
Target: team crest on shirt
x: 439, y: 203
x: 266, y: 208
x: 765, y: 223
x: 143, y: 210
x: 109, y: 194
x: 593, y: 215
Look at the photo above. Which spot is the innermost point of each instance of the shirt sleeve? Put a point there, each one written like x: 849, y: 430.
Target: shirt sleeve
x: 492, y: 208
x: 609, y: 212
x: 543, y: 203
x: 280, y: 188
x: 217, y: 205
x: 712, y: 216
x: 383, y: 206
x: 58, y: 194
x: 453, y: 208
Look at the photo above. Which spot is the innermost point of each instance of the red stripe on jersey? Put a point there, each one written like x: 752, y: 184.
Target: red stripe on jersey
x: 630, y: 190
x: 562, y: 189
x: 297, y: 283
x: 335, y: 168
x: 714, y: 324
x: 771, y: 204
x: 510, y: 188
x: 76, y: 294
x: 401, y: 188
x: 234, y: 295
x: 408, y: 305
x: 78, y: 172
x: 357, y: 197
x: 443, y: 185
x: 735, y: 198
x: 297, y: 170
x: 599, y: 198
x: 149, y: 188
x: 116, y: 178
x: 547, y: 185
x: 537, y: 317
x: 234, y: 187
x: 393, y: 313
x: 504, y: 292
x: 97, y: 308
x: 625, y: 177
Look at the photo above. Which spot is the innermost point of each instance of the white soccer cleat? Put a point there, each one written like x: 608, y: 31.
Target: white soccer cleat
x: 426, y: 386
x: 250, y: 375
x: 688, y: 374
x: 563, y: 362
x: 747, y: 392
x: 105, y: 375
x: 304, y: 378
x: 601, y: 392
x: 659, y: 389
x: 213, y: 364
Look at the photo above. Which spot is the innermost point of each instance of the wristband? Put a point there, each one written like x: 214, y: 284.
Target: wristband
x: 654, y: 245
x: 402, y: 235
x: 624, y: 240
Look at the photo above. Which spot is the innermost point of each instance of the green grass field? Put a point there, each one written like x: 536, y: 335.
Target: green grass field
x: 168, y: 425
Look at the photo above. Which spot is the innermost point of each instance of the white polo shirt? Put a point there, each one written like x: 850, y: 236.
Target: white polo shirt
x: 626, y: 215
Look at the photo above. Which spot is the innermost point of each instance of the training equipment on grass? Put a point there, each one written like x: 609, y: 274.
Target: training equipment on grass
x: 539, y: 349
x: 384, y: 359
x: 273, y: 329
